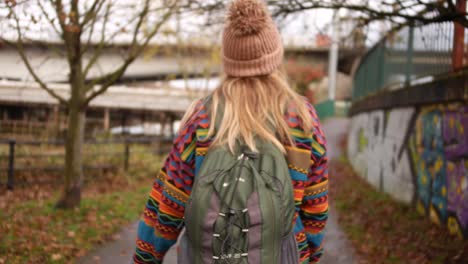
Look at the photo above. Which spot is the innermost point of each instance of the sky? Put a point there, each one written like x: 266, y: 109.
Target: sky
x: 305, y: 26
x: 298, y: 29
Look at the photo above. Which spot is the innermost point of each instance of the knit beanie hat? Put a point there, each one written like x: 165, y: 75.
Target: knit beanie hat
x: 252, y: 44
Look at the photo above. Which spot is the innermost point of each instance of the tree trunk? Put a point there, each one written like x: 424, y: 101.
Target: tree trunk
x: 76, y: 120
x: 74, y: 158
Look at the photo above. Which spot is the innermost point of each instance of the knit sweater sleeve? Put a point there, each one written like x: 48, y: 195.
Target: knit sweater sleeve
x: 162, y: 218
x: 314, y: 208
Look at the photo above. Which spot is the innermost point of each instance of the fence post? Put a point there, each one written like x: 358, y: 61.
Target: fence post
x: 409, y: 59
x: 127, y: 155
x: 458, y: 54
x: 11, y: 165
x: 381, y: 81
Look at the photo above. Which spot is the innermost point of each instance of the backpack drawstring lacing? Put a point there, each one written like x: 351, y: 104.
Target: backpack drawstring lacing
x: 233, y: 220
x: 234, y: 217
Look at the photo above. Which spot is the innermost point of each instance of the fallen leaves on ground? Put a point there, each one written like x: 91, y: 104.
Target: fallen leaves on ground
x: 33, y: 231
x: 385, y: 231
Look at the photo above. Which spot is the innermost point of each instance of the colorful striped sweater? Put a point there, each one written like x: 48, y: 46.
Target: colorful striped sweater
x: 163, y: 215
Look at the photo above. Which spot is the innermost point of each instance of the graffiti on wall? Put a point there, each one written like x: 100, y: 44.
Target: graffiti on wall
x: 427, y: 148
x: 417, y: 155
x: 376, y: 142
x: 455, y: 131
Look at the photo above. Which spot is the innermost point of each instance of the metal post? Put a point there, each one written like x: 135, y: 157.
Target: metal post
x: 172, y: 128
x: 127, y: 155
x: 11, y: 165
x: 381, y: 68
x: 163, y: 122
x: 458, y: 54
x: 56, y: 120
x: 123, y: 122
x: 106, y: 121
x: 409, y: 59
x: 333, y: 59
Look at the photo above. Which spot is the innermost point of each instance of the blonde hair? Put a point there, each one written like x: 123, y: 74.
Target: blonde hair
x: 254, y: 107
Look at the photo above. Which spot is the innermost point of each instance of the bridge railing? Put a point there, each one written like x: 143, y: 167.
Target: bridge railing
x: 404, y: 57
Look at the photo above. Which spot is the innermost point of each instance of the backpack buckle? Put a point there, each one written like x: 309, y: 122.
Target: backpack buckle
x: 246, y: 152
x: 251, y: 154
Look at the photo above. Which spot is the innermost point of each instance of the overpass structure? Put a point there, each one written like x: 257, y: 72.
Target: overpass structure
x: 137, y: 98
x: 52, y: 66
x: 27, y: 109
x: 117, y: 97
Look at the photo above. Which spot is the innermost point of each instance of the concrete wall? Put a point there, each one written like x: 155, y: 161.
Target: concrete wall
x: 418, y: 155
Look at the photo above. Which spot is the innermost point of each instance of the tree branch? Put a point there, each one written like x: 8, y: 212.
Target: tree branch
x: 109, y: 39
x: 98, y: 51
x: 22, y: 53
x: 92, y: 12
x: 60, y: 14
x: 135, y: 50
x: 49, y: 19
x: 406, y: 10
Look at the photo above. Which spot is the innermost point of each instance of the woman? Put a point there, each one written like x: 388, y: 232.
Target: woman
x: 254, y: 103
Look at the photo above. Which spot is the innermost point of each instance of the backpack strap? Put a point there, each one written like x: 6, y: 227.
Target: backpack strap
x: 208, y: 103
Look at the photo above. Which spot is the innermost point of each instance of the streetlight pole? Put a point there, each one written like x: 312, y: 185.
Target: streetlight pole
x: 333, y: 58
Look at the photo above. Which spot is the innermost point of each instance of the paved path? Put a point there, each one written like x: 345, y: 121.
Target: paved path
x: 337, y: 249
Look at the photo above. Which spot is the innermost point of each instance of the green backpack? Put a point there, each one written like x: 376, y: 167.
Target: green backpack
x: 241, y: 209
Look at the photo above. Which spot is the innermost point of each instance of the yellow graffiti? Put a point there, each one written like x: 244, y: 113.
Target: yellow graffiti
x: 433, y: 215
x: 444, y: 192
x: 452, y: 122
x: 450, y: 166
x: 422, y: 166
x: 362, y: 140
x: 438, y: 165
x: 420, y: 208
x: 424, y: 180
x: 453, y: 227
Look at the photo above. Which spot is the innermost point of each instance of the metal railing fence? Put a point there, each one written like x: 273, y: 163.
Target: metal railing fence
x: 404, y: 56
x: 39, y: 157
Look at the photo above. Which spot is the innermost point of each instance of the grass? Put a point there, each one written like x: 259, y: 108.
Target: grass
x: 385, y: 231
x: 33, y: 231
x: 41, y: 234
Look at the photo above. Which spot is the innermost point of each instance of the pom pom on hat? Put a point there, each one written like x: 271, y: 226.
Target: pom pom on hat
x: 248, y: 17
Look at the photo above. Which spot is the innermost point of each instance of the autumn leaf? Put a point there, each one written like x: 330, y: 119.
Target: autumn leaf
x: 71, y: 234
x: 56, y: 257
x: 385, y: 231
x: 29, y: 223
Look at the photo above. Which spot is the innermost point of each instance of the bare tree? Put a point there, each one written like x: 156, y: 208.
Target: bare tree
x: 397, y: 12
x: 85, y: 27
